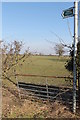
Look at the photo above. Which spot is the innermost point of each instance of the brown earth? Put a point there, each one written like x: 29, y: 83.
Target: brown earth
x: 15, y: 107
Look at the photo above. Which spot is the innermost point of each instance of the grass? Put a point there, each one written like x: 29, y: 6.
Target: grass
x: 43, y: 65
x: 14, y: 107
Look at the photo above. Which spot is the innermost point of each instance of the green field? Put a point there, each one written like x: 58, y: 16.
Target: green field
x: 43, y: 65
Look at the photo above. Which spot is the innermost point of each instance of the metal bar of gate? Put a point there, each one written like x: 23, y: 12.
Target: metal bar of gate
x: 30, y: 75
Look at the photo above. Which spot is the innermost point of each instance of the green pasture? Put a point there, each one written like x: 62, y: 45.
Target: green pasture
x: 42, y: 65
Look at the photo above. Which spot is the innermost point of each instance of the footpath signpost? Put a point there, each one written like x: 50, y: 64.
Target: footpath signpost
x: 73, y: 11
x: 75, y: 50
x: 68, y: 13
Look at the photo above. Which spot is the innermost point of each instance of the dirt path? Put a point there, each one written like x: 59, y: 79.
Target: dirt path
x: 13, y: 106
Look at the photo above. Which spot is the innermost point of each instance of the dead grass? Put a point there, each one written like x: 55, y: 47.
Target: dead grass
x: 14, y: 107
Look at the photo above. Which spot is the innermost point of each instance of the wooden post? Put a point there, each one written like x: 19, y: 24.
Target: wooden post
x: 17, y: 84
x: 47, y: 88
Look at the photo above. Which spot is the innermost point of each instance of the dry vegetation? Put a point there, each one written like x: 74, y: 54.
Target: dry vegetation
x: 14, y: 107
x: 29, y: 107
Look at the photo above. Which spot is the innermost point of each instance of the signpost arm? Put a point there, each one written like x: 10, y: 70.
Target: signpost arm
x: 75, y: 50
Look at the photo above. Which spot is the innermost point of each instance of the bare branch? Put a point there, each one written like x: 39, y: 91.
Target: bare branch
x: 69, y: 29
x: 61, y: 40
x: 11, y: 57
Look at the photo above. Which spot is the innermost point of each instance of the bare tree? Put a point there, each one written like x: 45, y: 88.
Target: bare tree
x: 11, y: 57
x: 59, y: 49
